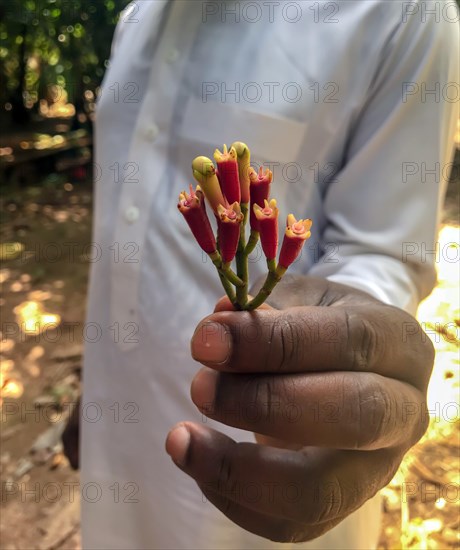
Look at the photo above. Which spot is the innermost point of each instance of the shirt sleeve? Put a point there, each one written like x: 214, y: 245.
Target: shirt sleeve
x: 384, y: 208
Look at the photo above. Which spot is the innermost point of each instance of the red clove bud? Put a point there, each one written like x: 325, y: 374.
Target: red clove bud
x: 227, y: 169
x: 229, y: 223
x: 194, y: 211
x: 267, y: 218
x: 297, y: 232
x: 244, y: 159
x: 259, y: 190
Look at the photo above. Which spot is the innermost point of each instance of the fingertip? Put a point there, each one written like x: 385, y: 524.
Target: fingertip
x: 177, y: 443
x: 224, y: 304
x: 211, y: 343
x: 203, y: 389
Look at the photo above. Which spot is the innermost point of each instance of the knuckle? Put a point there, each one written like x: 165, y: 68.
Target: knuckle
x: 420, y: 426
x: 263, y: 396
x: 428, y: 355
x: 322, y: 499
x: 283, y: 342
x: 225, y: 472
x: 417, y: 349
x: 329, y: 496
x: 364, y: 342
x: 375, y: 412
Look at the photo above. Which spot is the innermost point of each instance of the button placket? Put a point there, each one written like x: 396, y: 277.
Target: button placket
x: 136, y: 198
x: 132, y: 214
x: 172, y: 56
x: 151, y: 132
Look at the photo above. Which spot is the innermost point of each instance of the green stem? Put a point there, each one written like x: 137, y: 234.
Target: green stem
x: 217, y: 261
x: 242, y: 262
x: 225, y: 269
x: 273, y: 278
x: 253, y: 239
x: 228, y: 288
x: 228, y: 272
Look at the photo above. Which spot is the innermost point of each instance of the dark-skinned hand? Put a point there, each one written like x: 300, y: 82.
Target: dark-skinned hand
x: 332, y: 382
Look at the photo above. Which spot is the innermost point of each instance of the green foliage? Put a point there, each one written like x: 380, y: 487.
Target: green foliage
x: 46, y: 42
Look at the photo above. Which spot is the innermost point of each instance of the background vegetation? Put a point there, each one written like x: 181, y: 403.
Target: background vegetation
x: 52, y: 45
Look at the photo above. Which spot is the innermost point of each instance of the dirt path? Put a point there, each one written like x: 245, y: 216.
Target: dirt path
x: 42, y: 324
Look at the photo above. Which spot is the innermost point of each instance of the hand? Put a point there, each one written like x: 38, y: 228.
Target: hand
x: 334, y: 381
x: 71, y: 437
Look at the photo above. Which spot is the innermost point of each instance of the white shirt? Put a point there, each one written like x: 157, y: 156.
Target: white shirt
x: 338, y: 95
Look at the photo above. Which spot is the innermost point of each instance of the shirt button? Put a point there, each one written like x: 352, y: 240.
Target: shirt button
x: 171, y: 56
x: 132, y: 214
x: 152, y: 132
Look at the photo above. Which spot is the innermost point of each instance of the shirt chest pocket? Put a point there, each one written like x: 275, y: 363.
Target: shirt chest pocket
x: 271, y: 138
x: 276, y: 142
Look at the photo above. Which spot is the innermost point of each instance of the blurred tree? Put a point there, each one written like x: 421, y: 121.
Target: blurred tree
x: 53, y: 42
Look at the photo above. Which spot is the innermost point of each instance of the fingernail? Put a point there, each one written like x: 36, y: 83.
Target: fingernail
x: 203, y: 389
x: 211, y: 343
x: 177, y: 444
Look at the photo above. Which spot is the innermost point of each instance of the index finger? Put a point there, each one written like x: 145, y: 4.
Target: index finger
x: 361, y: 338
